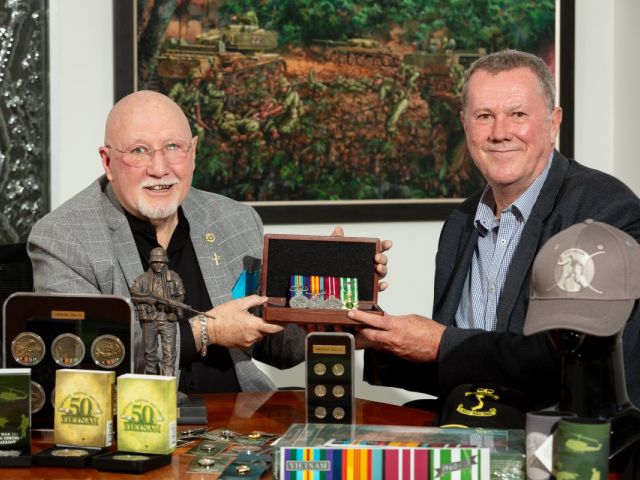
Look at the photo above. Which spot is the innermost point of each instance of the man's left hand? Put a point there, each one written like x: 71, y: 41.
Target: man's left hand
x: 380, y: 258
x: 410, y: 337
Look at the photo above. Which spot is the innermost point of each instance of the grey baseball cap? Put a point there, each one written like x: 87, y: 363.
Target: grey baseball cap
x: 585, y: 278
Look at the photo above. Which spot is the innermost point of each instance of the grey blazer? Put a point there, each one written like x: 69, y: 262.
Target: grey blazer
x: 86, y: 246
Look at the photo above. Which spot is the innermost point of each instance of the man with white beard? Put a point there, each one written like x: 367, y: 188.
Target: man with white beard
x: 99, y: 241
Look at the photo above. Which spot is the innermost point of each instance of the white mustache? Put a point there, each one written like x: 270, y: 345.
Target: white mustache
x: 155, y: 183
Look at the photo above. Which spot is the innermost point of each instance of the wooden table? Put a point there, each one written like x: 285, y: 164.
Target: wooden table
x: 241, y: 412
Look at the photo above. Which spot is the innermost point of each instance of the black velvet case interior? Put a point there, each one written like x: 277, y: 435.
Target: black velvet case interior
x: 296, y: 256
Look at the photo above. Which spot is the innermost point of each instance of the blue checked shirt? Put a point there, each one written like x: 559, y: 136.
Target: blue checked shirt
x: 498, y: 240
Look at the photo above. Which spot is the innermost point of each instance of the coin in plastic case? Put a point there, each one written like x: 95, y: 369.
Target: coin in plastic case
x: 28, y: 349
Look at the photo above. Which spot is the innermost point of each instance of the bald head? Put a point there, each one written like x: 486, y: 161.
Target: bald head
x: 135, y: 110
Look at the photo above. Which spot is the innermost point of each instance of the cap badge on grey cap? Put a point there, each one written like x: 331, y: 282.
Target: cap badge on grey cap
x: 575, y: 270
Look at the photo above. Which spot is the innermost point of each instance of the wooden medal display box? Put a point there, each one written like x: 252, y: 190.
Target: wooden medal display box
x: 349, y: 257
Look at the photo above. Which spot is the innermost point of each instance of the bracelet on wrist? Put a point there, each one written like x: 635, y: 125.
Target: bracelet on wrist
x: 204, y: 337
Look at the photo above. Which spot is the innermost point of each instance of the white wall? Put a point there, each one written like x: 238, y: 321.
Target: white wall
x: 607, y: 100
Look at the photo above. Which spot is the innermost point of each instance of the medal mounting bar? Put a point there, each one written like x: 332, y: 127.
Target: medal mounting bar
x: 350, y: 259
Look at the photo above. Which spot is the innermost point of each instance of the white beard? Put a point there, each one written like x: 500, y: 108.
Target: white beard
x: 157, y: 212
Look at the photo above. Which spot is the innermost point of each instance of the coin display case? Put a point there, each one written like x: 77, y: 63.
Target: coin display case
x: 330, y: 396
x: 47, y: 332
x: 341, y: 257
x: 68, y: 457
x: 129, y: 462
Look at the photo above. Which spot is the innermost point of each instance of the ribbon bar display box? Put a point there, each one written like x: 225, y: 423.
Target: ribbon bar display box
x: 390, y: 452
x: 317, y: 279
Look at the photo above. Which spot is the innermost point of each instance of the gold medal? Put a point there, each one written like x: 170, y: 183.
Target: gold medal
x: 67, y: 350
x: 28, y: 349
x: 338, y: 391
x: 37, y: 397
x: 69, y: 452
x: 107, y: 351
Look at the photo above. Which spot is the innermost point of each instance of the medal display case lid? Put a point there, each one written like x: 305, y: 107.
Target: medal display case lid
x: 327, y: 256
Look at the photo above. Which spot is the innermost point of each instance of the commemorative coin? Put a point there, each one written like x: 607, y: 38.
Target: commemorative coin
x: 37, y: 397
x: 67, y: 350
x: 107, y: 351
x: 28, y: 349
x: 69, y: 452
x: 125, y: 457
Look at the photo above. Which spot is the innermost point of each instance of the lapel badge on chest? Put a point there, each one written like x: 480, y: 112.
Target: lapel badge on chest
x: 209, y: 237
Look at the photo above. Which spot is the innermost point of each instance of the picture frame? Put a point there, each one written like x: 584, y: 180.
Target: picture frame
x: 292, y: 207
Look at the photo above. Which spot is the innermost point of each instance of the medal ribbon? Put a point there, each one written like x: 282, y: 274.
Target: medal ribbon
x: 331, y: 287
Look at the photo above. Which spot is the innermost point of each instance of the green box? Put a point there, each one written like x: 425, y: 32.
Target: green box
x: 15, y: 408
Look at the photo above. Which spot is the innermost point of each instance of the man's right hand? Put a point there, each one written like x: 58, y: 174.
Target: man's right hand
x: 235, y: 327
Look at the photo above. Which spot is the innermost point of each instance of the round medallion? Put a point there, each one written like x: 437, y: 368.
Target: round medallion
x: 69, y: 452
x: 320, y: 390
x: 337, y: 369
x: 126, y: 457
x: 333, y: 303
x: 207, y: 462
x: 107, y: 351
x: 338, y: 413
x: 67, y: 350
x: 338, y: 391
x: 299, y: 301
x: 319, y: 369
x: 37, y: 397
x: 248, y: 449
x: 320, y: 412
x: 28, y: 349
x: 207, y: 447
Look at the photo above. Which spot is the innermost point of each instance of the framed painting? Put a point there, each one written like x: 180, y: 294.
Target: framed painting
x: 333, y: 110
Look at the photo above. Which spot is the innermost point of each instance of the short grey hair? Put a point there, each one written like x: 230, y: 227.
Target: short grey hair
x: 507, y: 60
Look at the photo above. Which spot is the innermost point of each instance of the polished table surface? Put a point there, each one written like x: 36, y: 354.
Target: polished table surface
x: 271, y: 412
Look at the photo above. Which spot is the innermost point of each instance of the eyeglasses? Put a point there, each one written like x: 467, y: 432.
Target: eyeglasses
x: 174, y: 152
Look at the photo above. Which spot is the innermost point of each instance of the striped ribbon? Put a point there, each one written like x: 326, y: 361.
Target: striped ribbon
x: 300, y: 284
x: 384, y: 464
x: 349, y: 292
x: 331, y: 286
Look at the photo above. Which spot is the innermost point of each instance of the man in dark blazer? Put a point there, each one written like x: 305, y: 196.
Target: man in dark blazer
x: 488, y: 244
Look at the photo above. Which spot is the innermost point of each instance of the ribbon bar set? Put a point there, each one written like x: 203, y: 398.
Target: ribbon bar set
x: 315, y: 291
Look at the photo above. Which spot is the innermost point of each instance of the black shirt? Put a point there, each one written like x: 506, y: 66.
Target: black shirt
x: 215, y: 372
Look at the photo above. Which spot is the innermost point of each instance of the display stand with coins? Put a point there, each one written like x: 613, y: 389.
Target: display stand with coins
x: 47, y: 332
x: 297, y: 268
x: 329, y: 378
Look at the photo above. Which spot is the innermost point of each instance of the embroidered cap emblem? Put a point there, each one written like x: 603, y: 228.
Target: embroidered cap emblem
x: 574, y: 270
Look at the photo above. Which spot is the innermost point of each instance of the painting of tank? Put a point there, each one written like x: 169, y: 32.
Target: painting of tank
x: 321, y: 100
